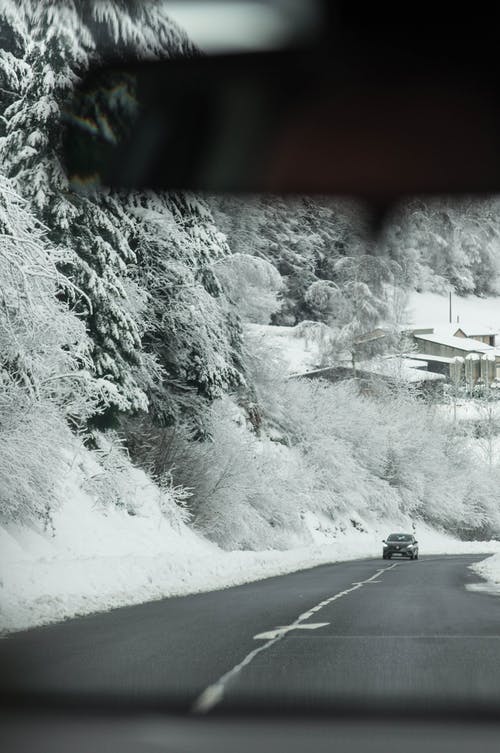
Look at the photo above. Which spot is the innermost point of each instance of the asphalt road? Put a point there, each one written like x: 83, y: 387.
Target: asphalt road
x: 364, y: 630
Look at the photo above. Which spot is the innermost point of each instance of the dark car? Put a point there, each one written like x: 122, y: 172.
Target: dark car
x: 402, y: 544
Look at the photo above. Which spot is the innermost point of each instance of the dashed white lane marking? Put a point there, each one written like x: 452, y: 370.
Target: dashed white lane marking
x: 270, y: 634
x: 214, y: 694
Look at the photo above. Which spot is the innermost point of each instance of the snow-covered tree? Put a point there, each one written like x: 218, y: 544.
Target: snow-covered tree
x: 188, y: 326
x: 49, y: 46
x: 303, y: 238
x: 94, y: 232
x: 45, y: 360
x: 353, y: 306
x: 447, y: 244
x: 252, y: 284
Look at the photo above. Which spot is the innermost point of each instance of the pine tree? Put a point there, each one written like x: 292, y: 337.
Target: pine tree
x: 190, y: 328
x: 48, y: 46
x: 54, y: 46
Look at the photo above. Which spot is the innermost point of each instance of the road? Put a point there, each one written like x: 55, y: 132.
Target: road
x: 363, y: 630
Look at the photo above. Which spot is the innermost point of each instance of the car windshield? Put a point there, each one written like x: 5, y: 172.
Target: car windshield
x: 212, y: 407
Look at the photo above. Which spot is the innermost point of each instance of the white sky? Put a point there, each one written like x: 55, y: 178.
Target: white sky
x: 222, y: 26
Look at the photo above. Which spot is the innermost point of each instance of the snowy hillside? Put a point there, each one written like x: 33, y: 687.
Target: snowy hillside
x: 432, y: 310
x: 97, y: 557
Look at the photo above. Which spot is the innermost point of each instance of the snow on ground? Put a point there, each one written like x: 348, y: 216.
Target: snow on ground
x: 432, y: 310
x: 98, y: 558
x: 470, y: 410
x: 489, y: 569
x: 298, y: 352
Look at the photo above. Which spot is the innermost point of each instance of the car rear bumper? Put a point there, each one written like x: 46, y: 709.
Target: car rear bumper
x: 398, y: 552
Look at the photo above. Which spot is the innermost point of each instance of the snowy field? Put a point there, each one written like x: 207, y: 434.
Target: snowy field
x: 432, y: 310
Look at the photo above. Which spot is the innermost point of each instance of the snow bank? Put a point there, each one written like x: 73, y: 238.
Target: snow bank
x: 489, y: 569
x: 97, y: 558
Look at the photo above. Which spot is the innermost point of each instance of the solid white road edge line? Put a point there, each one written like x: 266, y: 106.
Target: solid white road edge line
x: 213, y: 694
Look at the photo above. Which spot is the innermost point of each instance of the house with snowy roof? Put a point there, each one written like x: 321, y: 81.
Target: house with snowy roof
x: 459, y: 352
x: 486, y: 335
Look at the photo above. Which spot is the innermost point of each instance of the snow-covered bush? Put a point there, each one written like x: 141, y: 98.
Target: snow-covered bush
x: 32, y: 436
x: 115, y: 482
x: 249, y: 492
x: 253, y: 284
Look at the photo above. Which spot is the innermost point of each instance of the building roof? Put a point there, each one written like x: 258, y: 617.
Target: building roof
x: 391, y: 368
x: 477, y: 331
x: 426, y: 357
x: 460, y: 343
x: 407, y: 369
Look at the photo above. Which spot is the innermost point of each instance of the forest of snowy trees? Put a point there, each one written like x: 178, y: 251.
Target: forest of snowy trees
x: 124, y: 323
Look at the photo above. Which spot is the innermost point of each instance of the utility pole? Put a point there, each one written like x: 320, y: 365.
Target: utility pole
x: 451, y: 320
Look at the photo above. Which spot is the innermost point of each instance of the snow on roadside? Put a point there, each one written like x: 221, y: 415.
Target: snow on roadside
x: 489, y: 569
x: 98, y: 558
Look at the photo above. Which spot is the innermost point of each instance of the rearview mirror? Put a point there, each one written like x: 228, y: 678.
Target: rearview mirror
x: 286, y: 122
